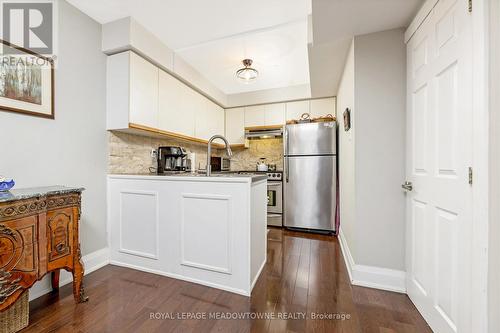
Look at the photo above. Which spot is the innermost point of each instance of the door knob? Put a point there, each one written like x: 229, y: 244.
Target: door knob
x: 407, y: 186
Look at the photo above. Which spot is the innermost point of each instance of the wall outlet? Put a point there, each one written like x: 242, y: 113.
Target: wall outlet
x: 154, y: 153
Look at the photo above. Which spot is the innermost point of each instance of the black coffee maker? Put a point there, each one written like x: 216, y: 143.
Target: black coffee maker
x: 171, y: 159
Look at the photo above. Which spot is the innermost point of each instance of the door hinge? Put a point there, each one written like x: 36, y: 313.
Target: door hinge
x: 470, y: 176
x: 470, y: 6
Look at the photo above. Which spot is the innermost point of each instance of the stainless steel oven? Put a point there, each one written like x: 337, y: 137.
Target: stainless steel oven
x: 274, y: 199
x: 274, y: 196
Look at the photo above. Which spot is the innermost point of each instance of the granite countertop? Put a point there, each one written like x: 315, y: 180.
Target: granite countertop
x: 215, y: 177
x: 34, y: 192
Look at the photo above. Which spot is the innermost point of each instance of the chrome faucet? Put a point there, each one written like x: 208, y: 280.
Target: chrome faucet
x: 209, y: 151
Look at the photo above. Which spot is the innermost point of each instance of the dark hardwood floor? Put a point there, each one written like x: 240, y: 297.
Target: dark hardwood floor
x: 305, y: 275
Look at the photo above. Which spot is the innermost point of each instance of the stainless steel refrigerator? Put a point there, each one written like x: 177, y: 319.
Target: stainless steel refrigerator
x: 310, y: 176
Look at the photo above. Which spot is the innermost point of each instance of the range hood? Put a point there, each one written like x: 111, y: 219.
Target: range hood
x: 263, y: 132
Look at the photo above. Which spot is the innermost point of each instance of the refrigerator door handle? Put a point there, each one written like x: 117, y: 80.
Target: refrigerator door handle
x: 287, y: 165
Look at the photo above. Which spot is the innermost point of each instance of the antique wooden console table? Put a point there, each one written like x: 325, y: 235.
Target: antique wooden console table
x: 39, y: 235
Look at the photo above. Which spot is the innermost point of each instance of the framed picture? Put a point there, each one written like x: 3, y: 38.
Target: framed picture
x: 347, y: 119
x: 26, y: 81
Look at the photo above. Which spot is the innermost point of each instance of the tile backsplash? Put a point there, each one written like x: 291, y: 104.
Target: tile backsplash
x: 130, y: 153
x: 246, y: 159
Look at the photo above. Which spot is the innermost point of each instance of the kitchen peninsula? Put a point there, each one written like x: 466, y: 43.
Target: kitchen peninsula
x: 207, y: 230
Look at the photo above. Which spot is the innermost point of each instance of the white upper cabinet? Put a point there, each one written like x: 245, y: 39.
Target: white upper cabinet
x: 294, y: 110
x: 175, y: 113
x: 143, y: 92
x: 132, y: 92
x: 275, y: 114
x: 139, y: 93
x: 322, y: 107
x: 209, y: 119
x: 255, y: 116
x: 235, y: 125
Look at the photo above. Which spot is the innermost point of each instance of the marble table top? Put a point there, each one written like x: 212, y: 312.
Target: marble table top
x: 35, y: 192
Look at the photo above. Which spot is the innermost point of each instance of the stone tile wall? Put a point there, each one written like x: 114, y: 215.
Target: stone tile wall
x: 130, y: 153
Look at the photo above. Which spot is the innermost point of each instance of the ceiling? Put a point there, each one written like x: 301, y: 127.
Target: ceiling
x: 279, y: 54
x: 214, y: 36
x: 335, y: 22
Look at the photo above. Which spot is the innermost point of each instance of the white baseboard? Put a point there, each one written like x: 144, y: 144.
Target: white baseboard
x: 372, y: 276
x: 91, y: 262
x: 258, y: 274
x: 180, y: 277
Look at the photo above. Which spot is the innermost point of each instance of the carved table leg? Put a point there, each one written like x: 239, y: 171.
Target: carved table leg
x: 55, y: 280
x: 78, y: 291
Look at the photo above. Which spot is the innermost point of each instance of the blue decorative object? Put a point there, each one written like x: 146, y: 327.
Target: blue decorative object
x: 6, y: 185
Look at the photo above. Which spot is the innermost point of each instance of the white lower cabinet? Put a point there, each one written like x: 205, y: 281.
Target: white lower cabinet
x: 206, y: 230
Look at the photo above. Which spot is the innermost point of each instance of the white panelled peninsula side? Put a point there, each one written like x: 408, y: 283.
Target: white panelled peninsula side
x: 207, y: 230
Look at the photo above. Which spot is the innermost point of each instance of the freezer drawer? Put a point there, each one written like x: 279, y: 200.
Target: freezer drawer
x: 310, y: 192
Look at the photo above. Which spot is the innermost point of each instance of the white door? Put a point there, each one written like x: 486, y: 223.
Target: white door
x: 439, y: 150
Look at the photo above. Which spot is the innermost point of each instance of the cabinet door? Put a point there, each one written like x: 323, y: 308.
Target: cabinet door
x: 19, y: 248
x: 175, y: 113
x: 255, y: 116
x: 219, y: 119
x: 235, y: 125
x: 322, y: 107
x: 60, y: 243
x: 275, y: 114
x: 295, y: 109
x: 143, y: 92
x: 204, y: 123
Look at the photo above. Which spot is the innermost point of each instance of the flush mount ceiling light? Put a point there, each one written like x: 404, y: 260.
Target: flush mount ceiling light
x: 247, y: 74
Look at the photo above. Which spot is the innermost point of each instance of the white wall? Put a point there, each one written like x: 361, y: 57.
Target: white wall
x: 380, y: 99
x: 70, y: 150
x: 345, y: 99
x: 372, y: 154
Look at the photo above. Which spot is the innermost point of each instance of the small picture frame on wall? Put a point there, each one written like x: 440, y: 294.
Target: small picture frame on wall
x: 347, y: 119
x: 26, y: 81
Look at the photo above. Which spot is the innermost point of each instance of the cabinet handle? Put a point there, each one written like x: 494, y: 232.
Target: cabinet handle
x: 60, y: 247
x: 7, y: 231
